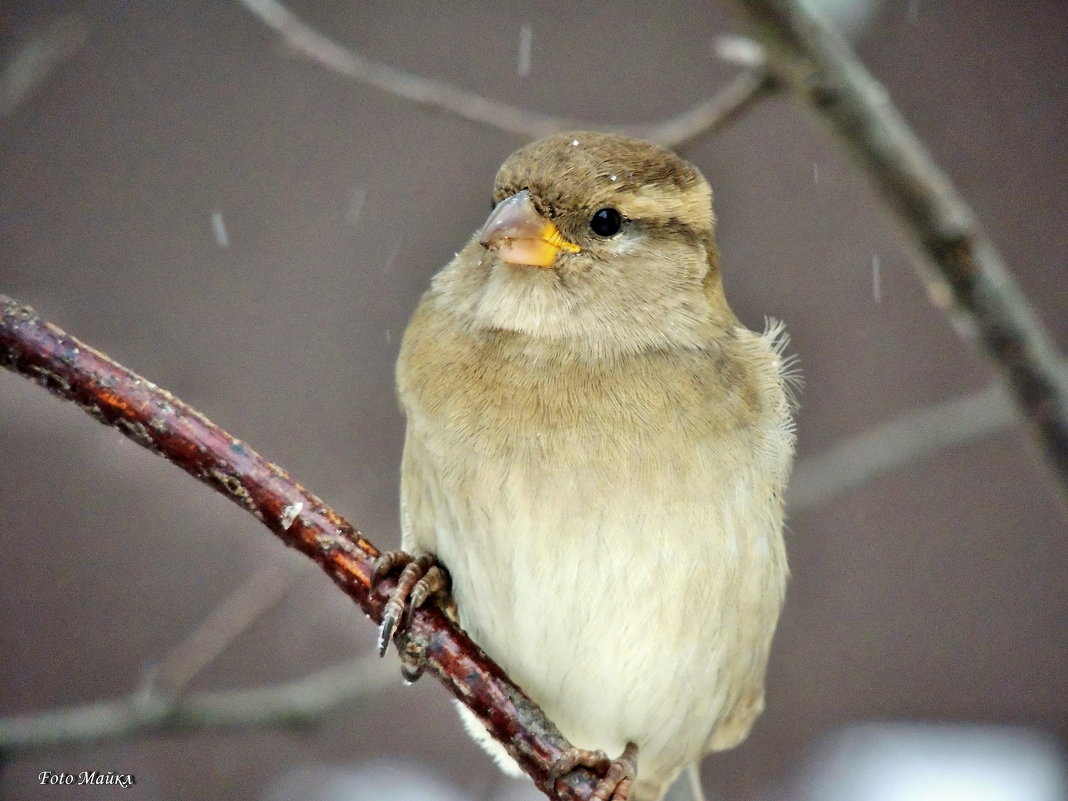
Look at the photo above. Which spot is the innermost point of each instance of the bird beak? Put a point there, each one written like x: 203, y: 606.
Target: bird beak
x: 518, y: 234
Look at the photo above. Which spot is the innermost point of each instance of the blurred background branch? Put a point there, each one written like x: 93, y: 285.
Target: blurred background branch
x: 348, y: 685
x: 36, y: 58
x: 897, y: 443
x: 970, y: 278
x: 184, y: 662
x: 706, y: 117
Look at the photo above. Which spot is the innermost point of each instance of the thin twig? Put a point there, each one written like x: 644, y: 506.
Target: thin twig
x: 262, y: 590
x: 857, y: 460
x: 711, y: 115
x: 157, y: 420
x: 303, y: 702
x: 706, y: 117
x: 970, y: 278
x: 36, y: 59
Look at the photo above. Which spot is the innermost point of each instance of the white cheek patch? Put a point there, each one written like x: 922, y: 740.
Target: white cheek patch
x: 629, y: 242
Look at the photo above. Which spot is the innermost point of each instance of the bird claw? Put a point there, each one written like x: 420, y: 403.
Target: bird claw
x: 618, y: 773
x: 420, y: 579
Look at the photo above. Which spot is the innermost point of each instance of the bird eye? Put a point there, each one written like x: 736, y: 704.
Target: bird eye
x: 606, y: 222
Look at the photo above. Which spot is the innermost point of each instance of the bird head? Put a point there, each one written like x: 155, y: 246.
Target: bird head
x: 598, y: 239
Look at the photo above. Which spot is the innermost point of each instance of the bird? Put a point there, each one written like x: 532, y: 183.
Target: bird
x: 595, y: 456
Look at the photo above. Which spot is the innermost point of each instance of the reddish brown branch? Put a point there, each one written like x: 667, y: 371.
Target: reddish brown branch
x: 155, y: 419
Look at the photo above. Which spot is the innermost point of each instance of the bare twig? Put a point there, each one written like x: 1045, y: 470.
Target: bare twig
x: 711, y: 115
x: 172, y: 674
x: 303, y: 702
x: 157, y: 420
x: 970, y: 278
x: 706, y: 117
x: 37, y: 59
x: 857, y: 460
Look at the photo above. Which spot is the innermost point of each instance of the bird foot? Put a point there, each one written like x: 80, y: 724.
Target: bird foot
x: 421, y: 578
x: 619, y: 773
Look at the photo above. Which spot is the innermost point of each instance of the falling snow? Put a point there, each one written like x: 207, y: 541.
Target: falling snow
x: 355, y: 209
x: 526, y: 38
x: 387, y: 265
x: 876, y: 279
x: 218, y: 226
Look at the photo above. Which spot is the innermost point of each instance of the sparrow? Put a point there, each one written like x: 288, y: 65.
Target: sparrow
x: 594, y: 461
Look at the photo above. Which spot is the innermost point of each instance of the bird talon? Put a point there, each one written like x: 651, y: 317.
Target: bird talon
x: 420, y: 579
x: 594, y: 760
x: 418, y: 597
x: 618, y: 773
x: 385, y: 631
x: 434, y: 582
x: 387, y: 562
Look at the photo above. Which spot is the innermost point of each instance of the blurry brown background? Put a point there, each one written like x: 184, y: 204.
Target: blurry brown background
x: 936, y: 592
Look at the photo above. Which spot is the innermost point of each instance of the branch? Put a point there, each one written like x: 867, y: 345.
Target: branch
x: 857, y: 460
x: 155, y: 419
x: 711, y: 115
x: 36, y: 59
x: 706, y: 117
x: 302, y: 702
x: 970, y: 278
x: 177, y: 669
